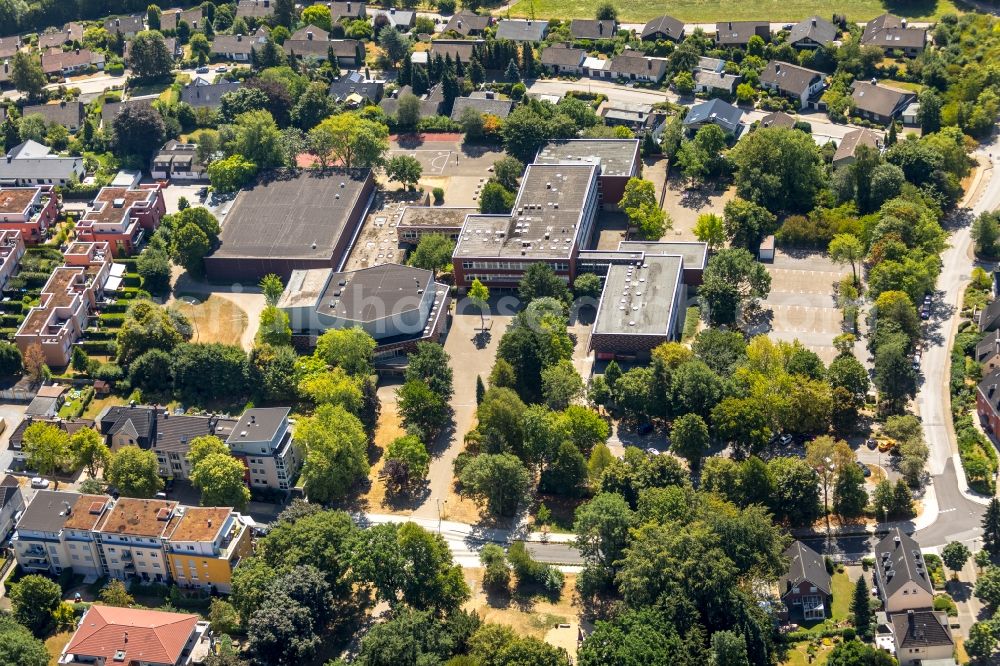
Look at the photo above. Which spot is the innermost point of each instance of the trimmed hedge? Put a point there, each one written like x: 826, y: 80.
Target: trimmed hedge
x: 132, y: 280
x: 99, y: 347
x: 102, y: 335
x: 114, y: 308
x: 112, y: 319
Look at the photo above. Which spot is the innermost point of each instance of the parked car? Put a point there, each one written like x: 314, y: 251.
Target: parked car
x: 201, y: 70
x: 925, y: 313
x: 39, y: 482
x: 653, y: 451
x: 885, y: 445
x: 864, y: 468
x: 785, y: 439
x: 871, y: 444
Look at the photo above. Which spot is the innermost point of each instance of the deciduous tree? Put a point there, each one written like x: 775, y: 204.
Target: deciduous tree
x: 135, y: 472
x: 336, y: 452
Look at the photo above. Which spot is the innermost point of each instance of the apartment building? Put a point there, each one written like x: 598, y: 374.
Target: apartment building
x: 262, y: 439
x: 67, y: 299
x: 56, y: 531
x: 11, y: 251
x: 121, y: 216
x: 137, y: 637
x: 204, y: 546
x: 28, y: 210
x: 172, y: 440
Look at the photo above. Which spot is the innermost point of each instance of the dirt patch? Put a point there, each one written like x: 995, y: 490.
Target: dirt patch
x: 97, y: 404
x: 216, y: 319
x: 55, y: 644
x: 529, y: 615
x: 389, y: 427
x: 684, y: 206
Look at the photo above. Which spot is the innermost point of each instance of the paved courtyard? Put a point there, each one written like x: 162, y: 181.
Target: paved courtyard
x: 802, y: 302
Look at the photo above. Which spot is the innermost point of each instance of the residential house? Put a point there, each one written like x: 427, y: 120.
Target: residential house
x: 402, y: 20
x: 11, y: 504
x: 200, y: 93
x: 988, y: 402
x: 10, y: 45
x: 177, y: 161
x: 257, y: 9
x: 706, y: 64
x: 561, y: 59
x: 456, y: 49
x: 468, y: 24
x: 806, y: 587
x: 901, y: 575
x: 593, y: 29
x: 134, y: 636
x: 597, y: 68
x: 126, y: 26
x: 989, y: 318
x: 46, y: 403
x: 238, y: 47
x: 988, y: 352
x: 356, y: 89
x: 812, y: 33
x: 522, y: 30
x: 122, y: 216
x: 715, y: 83
x: 484, y: 103
x: 890, y: 33
x: 11, y: 251
x: 67, y: 299
x: 715, y: 112
x: 849, y: 144
x: 31, y: 163
x: 313, y: 42
x: 879, y: 102
x: 635, y: 67
x: 110, y: 110
x: 797, y: 83
x: 127, y: 425
x: 174, y: 47
x: 347, y: 11
x: 430, y: 103
x: 637, y: 116
x: 921, y: 636
x: 173, y: 436
x: 778, y: 119
x: 738, y: 33
x: 29, y: 211
x: 663, y: 28
x: 71, y: 33
x: 56, y: 532
x: 133, y: 536
x: 262, y: 440
x: 204, y: 545
x: 69, y: 426
x: 68, y: 114
x: 171, y: 18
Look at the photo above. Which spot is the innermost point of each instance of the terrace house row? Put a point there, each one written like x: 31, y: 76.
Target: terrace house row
x: 30, y: 211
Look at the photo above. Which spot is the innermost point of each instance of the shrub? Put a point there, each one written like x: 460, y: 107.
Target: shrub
x: 438, y: 196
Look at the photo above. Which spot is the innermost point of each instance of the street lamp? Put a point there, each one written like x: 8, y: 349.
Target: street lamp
x: 439, y: 502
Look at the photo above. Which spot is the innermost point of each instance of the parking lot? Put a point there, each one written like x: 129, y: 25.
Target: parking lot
x: 802, y: 303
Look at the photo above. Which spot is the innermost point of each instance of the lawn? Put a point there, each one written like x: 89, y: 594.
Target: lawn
x: 55, y: 644
x: 707, y: 11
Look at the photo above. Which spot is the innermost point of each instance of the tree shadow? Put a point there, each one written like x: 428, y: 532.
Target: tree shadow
x: 410, y: 141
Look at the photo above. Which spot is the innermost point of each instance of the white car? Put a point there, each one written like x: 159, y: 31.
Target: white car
x: 39, y: 482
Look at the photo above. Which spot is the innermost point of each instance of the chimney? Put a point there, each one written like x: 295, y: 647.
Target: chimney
x: 903, y: 23
x: 649, y: 64
x: 777, y: 67
x: 600, y: 27
x: 309, y: 35
x: 126, y: 633
x: 392, y: 10
x: 730, y: 25
x: 814, y: 21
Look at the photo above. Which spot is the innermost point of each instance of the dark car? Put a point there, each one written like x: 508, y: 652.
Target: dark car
x: 871, y: 444
x: 864, y: 468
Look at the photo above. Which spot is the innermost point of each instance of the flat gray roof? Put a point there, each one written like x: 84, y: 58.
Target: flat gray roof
x: 46, y: 512
x: 695, y: 254
x: 544, y: 222
x: 616, y: 157
x: 638, y: 299
x: 259, y: 423
x: 435, y: 216
x: 374, y: 293
x: 293, y: 214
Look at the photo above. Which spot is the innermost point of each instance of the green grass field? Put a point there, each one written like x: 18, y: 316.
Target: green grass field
x: 710, y: 11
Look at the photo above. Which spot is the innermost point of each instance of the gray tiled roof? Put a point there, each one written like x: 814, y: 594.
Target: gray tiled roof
x: 879, y: 99
x: 814, y: 28
x: 898, y: 563
x: 592, y: 29
x: 665, y: 25
x: 520, y: 30
x: 804, y: 565
x: 495, y: 107
x: 465, y: 23
x: 199, y: 94
x: 789, y: 78
x: 715, y: 111
x: 563, y: 57
x: 921, y: 629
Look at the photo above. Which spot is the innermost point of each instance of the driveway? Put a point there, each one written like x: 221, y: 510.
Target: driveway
x: 12, y: 413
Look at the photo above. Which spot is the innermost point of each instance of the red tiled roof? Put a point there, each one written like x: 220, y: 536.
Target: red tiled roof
x: 153, y: 636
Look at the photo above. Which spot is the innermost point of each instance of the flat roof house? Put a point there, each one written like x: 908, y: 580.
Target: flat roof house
x: 30, y: 211
x: 262, y: 440
x: 900, y: 573
x: 738, y: 33
x: 238, y: 47
x: 11, y: 251
x: 121, y: 216
x: 593, y: 29
x: 552, y: 219
x: 663, y: 28
x: 879, y: 102
x: 521, y: 30
x: 849, y: 144
x: 806, y: 588
x: 201, y: 93
x: 797, y: 83
x: 31, y: 163
x: 320, y: 213
x: 468, y: 24
x: 67, y: 299
x: 418, y: 221
x: 68, y: 114
x: 890, y: 33
x: 131, y: 636
x: 812, y: 33
x: 177, y: 161
x: 394, y: 304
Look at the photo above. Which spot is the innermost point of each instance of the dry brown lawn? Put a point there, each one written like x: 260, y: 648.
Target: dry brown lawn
x: 389, y: 427
x: 216, y: 319
x: 55, y: 644
x: 535, y: 616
